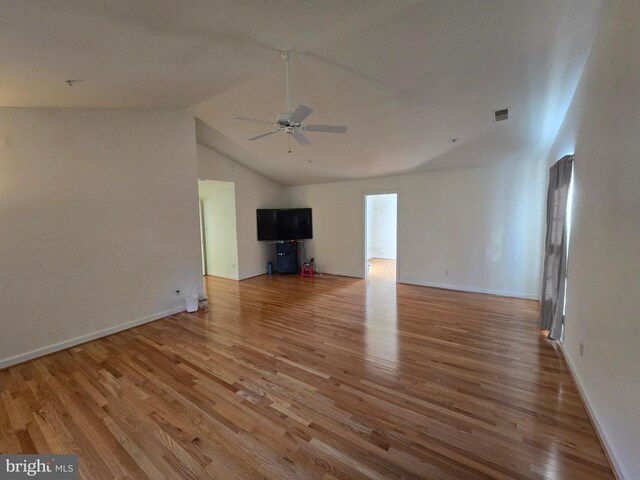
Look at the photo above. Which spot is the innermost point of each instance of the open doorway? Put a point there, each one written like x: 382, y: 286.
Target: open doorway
x: 381, y: 225
x: 218, y: 228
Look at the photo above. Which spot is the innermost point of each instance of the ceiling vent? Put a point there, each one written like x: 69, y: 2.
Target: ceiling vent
x: 501, y: 115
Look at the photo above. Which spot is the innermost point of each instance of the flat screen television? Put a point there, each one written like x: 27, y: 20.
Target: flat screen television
x: 284, y: 224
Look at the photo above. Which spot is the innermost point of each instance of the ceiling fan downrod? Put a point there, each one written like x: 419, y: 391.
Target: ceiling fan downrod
x: 286, y: 56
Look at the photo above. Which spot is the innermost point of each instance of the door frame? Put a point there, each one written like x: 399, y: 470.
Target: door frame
x: 368, y: 193
x: 203, y: 240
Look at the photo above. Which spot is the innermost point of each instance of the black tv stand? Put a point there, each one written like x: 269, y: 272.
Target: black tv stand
x: 287, y: 257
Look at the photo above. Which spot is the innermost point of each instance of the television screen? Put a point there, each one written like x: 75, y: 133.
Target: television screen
x: 284, y: 224
x: 267, y: 225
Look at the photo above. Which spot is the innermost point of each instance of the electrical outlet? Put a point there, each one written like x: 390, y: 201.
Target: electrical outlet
x: 447, y: 272
x: 581, y: 348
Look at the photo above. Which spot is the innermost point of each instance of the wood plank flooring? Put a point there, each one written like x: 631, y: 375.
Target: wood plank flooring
x: 327, y: 378
x: 382, y: 270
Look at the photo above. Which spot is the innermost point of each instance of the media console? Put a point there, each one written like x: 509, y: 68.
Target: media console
x: 287, y: 257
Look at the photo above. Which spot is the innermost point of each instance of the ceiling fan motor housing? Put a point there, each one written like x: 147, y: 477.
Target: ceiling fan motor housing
x: 284, y: 119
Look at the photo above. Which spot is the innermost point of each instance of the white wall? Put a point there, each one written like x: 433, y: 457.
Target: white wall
x: 218, y: 206
x: 603, y: 293
x: 483, y: 226
x: 381, y: 211
x: 98, y: 222
x: 253, y: 191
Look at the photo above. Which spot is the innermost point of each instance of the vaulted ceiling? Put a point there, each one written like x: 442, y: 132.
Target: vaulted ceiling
x: 406, y: 77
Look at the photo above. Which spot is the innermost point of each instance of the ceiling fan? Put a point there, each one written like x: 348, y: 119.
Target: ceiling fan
x: 291, y: 122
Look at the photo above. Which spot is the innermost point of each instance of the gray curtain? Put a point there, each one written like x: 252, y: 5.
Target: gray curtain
x: 555, y: 259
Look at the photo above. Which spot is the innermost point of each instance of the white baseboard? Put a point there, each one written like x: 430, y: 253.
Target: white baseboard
x: 253, y: 274
x: 341, y: 274
x: 56, y: 347
x: 232, y: 277
x: 461, y: 288
x: 613, y: 458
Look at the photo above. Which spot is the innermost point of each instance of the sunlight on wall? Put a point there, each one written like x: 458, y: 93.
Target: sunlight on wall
x: 569, y: 211
x: 494, y: 248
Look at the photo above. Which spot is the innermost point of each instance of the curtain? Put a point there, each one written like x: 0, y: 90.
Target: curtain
x: 555, y: 254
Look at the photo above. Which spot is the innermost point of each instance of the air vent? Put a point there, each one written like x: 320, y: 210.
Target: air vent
x: 501, y: 115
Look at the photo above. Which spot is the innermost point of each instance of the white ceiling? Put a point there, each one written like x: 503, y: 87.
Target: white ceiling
x: 405, y: 76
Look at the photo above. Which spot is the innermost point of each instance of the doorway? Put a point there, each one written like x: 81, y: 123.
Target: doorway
x: 218, y: 230
x: 381, y: 236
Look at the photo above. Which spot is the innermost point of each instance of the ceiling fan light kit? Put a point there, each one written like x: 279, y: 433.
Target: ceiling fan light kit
x: 291, y: 123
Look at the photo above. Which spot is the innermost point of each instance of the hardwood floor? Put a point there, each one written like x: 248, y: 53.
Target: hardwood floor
x: 328, y: 378
x: 382, y: 269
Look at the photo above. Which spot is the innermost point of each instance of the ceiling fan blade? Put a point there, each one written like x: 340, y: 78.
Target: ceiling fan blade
x: 326, y: 128
x: 258, y: 137
x: 300, y: 137
x: 253, y: 120
x: 300, y: 113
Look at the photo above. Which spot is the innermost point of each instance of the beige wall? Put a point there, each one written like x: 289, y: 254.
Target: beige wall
x: 218, y: 210
x: 603, y: 293
x: 253, y: 191
x: 483, y: 226
x: 98, y: 222
x: 474, y: 229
